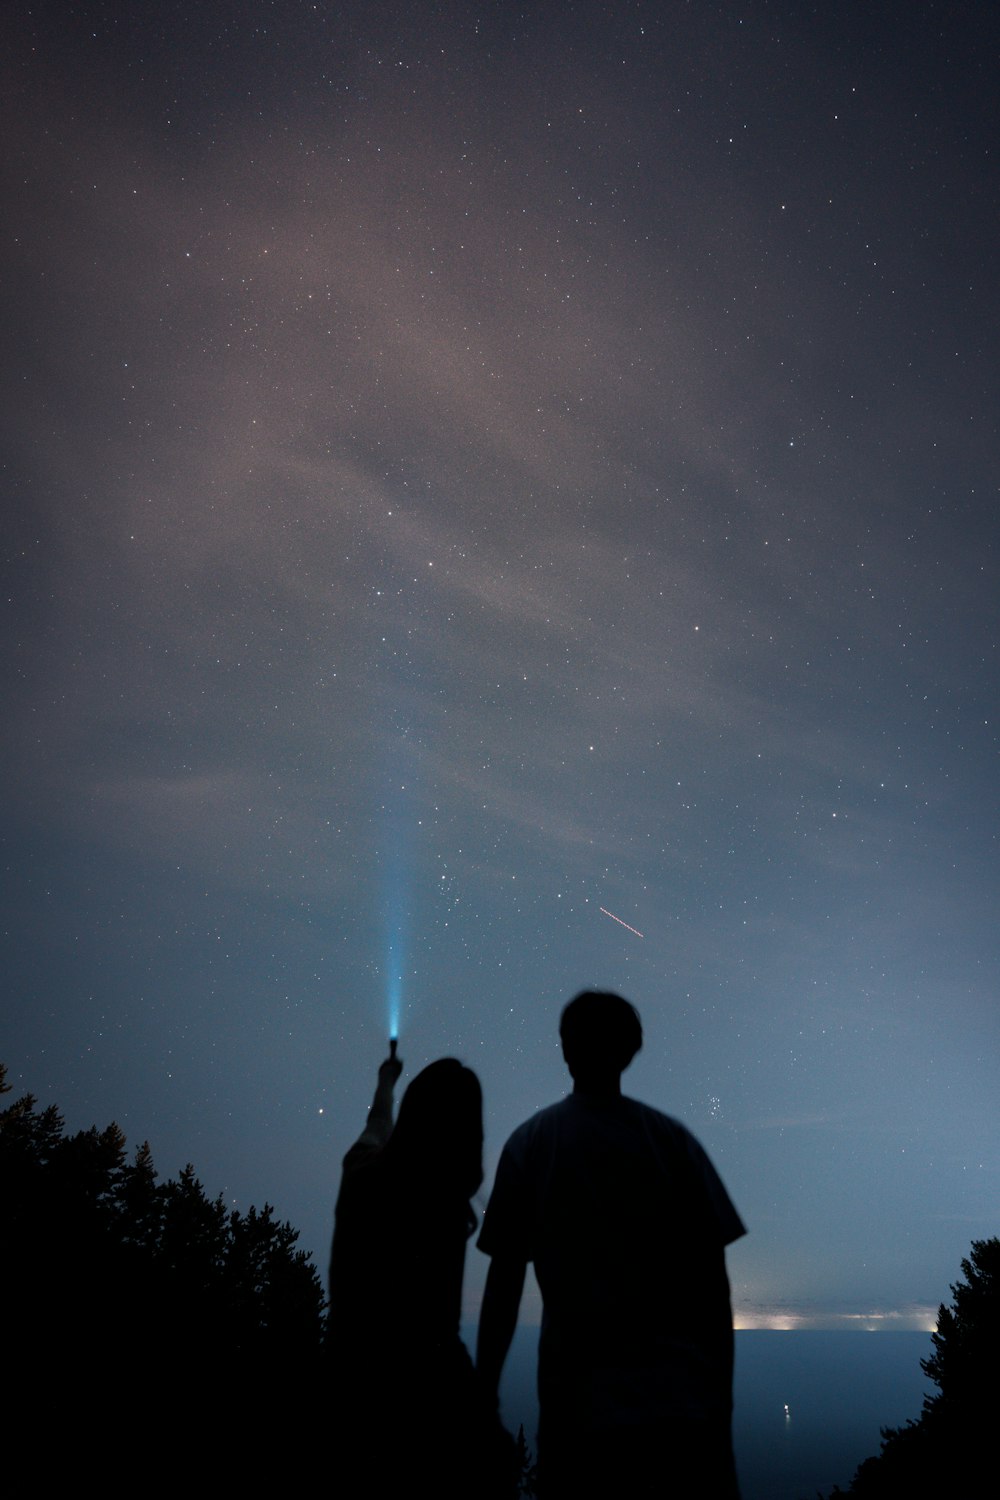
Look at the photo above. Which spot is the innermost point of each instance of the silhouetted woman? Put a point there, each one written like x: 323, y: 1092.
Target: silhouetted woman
x: 410, y: 1411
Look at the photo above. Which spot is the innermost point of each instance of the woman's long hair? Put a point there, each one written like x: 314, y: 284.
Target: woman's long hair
x: 438, y: 1136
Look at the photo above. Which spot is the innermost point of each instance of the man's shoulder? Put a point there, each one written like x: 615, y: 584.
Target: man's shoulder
x: 578, y: 1118
x: 578, y: 1137
x: 665, y: 1131
x: 656, y: 1121
x: 543, y: 1122
x: 575, y: 1106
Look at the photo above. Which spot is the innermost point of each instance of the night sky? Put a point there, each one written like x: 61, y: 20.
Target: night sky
x: 474, y: 473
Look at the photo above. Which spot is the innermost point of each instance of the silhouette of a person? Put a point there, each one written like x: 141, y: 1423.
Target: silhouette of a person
x: 626, y: 1222
x: 409, y: 1409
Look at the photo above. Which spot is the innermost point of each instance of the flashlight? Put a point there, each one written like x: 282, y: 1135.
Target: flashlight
x: 393, y: 1044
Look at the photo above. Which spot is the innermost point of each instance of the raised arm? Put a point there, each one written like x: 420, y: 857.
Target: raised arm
x: 379, y: 1127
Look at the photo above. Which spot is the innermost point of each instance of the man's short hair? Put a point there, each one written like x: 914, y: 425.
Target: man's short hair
x: 600, y: 1030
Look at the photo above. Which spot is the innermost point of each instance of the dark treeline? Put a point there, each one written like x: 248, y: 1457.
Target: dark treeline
x: 149, y: 1333
x: 139, y: 1312
x: 147, y: 1329
x: 949, y: 1453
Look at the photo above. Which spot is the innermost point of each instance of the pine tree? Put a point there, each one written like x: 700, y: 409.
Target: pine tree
x: 113, y: 1282
x: 949, y: 1451
x: 965, y: 1365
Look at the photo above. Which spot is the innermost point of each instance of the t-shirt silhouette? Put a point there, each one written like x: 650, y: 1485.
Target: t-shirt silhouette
x: 626, y: 1222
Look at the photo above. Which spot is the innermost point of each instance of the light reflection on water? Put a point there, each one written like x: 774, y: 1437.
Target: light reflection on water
x: 809, y: 1405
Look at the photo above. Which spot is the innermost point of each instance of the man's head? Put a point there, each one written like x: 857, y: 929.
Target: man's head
x: 600, y: 1035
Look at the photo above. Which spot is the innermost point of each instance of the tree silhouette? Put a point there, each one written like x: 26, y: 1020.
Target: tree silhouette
x: 950, y: 1450
x: 112, y: 1282
x: 966, y: 1358
x: 527, y: 1469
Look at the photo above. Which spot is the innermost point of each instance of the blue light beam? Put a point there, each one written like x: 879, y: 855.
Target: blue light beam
x: 394, y: 987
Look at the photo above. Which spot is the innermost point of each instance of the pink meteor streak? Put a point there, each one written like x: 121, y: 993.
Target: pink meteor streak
x: 611, y: 914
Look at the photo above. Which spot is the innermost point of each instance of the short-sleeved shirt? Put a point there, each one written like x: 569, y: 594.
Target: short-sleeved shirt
x: 626, y: 1222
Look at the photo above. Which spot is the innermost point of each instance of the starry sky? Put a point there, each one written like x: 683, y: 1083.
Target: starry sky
x: 472, y: 474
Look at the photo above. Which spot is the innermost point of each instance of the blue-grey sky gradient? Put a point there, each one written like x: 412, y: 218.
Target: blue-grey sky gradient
x: 467, y: 470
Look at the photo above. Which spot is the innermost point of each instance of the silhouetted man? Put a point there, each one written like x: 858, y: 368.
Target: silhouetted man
x: 626, y: 1221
